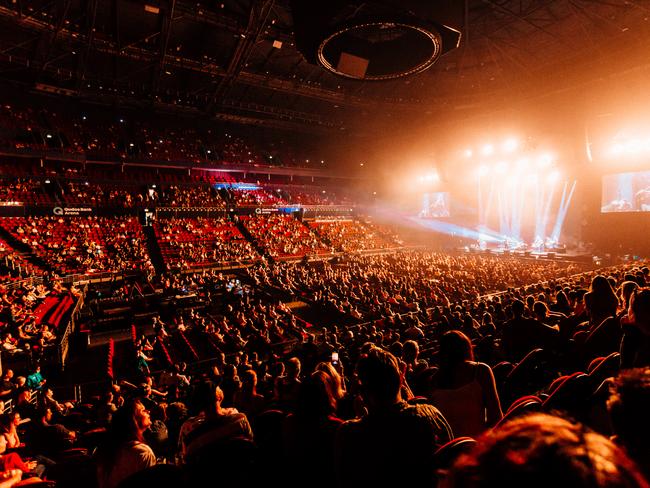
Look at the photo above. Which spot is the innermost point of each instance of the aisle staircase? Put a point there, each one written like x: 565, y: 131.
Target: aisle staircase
x: 249, y: 237
x: 154, y: 250
x: 25, y: 251
x: 317, y: 233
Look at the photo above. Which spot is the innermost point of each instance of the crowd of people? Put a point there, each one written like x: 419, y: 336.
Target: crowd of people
x: 351, y: 236
x: 23, y: 191
x: 316, y: 197
x: 13, y: 265
x: 86, y: 245
x: 257, y: 197
x: 96, y: 195
x: 283, y: 235
x: 373, y: 366
x: 538, y: 340
x: 464, y: 391
x: 83, y: 244
x: 192, y: 196
x: 141, y: 190
x: 380, y: 286
x: 30, y: 315
x: 185, y: 243
x: 460, y: 370
x: 103, y: 136
x: 420, y: 367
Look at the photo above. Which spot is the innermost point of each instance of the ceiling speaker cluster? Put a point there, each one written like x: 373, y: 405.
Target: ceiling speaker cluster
x: 376, y: 40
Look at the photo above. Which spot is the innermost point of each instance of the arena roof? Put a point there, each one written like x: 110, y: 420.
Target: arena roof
x: 237, y: 59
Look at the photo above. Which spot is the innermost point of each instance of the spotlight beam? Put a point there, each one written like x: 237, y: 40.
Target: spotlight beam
x: 547, y: 211
x: 539, y: 205
x: 503, y: 219
x: 455, y: 230
x: 520, y: 210
x: 562, y: 212
x: 489, y: 201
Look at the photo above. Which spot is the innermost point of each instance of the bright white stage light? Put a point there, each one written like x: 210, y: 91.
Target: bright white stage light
x: 512, y: 180
x: 501, y: 167
x: 510, y: 145
x: 545, y: 160
x: 532, y: 178
x: 468, y: 153
x: 553, y: 176
x: 488, y: 149
x: 629, y: 147
x: 483, y: 170
x: 522, y: 164
x: 617, y: 149
x: 429, y: 178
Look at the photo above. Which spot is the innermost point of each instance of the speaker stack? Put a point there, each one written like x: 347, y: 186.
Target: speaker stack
x: 376, y: 40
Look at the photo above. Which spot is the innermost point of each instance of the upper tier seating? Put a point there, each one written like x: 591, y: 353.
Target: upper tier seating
x: 27, y: 191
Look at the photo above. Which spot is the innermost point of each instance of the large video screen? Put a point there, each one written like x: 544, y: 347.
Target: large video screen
x: 435, y: 205
x: 626, y: 192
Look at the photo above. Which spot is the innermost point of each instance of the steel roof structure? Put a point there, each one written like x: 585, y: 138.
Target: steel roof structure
x: 236, y: 59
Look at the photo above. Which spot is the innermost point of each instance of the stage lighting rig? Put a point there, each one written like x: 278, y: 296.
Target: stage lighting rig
x: 487, y: 150
x: 376, y: 40
x: 510, y: 145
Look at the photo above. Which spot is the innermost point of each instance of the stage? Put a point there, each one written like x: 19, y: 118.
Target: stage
x: 556, y: 253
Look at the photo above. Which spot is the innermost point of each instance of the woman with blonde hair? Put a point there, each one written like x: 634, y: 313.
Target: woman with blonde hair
x: 334, y: 379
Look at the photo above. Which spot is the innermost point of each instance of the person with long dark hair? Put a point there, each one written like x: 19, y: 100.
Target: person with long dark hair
x: 309, y: 433
x: 635, y: 345
x: 601, y: 301
x: 462, y: 389
x: 125, y: 453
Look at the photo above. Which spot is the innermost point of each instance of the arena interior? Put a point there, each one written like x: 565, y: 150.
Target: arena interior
x: 325, y: 243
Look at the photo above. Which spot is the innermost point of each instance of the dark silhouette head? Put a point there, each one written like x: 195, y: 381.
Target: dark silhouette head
x: 542, y: 451
x: 380, y: 377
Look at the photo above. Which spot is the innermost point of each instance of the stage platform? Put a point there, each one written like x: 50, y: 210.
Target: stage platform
x: 557, y: 254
